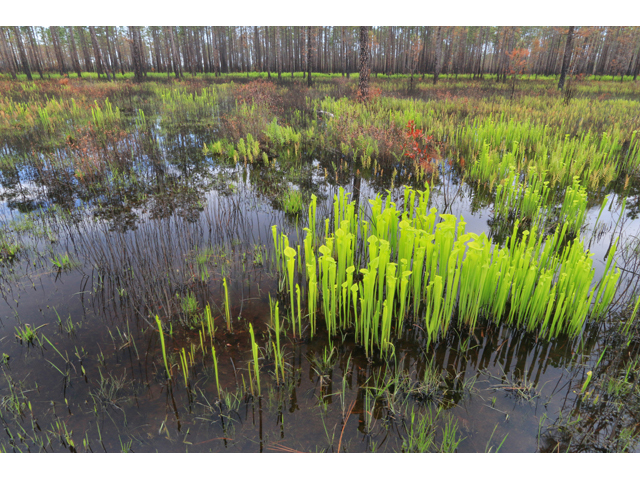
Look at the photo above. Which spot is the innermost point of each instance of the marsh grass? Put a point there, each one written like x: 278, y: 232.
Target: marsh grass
x: 8, y: 249
x: 277, y: 349
x: 256, y: 365
x: 64, y: 262
x: 292, y: 202
x: 423, y: 436
x: 27, y: 334
x: 227, y: 305
x: 189, y: 305
x: 111, y: 389
x: 164, y: 350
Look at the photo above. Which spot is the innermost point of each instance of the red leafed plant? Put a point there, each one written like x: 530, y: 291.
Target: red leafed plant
x: 419, y: 147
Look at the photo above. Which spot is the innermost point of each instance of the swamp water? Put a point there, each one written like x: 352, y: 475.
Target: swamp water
x: 82, y: 358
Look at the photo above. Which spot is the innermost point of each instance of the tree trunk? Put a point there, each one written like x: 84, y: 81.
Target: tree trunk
x: 216, y: 54
x: 206, y: 50
x: 365, y: 57
x: 88, y: 64
x: 348, y: 53
x: 303, y: 53
x: 177, y: 66
x: 309, y: 56
x: 566, y: 59
x: 116, y: 42
x: 636, y: 69
x: 279, y: 54
x: 438, y: 66
x: 344, y: 54
x: 58, y: 49
x: 168, y: 55
x: 156, y: 48
x: 23, y: 55
x: 98, y: 54
x: 113, y: 63
x: 34, y: 50
x: 256, y: 41
x: 290, y: 41
x: 74, y: 53
x: 135, y: 54
x: 266, y: 49
x: 5, y: 49
x: 142, y: 53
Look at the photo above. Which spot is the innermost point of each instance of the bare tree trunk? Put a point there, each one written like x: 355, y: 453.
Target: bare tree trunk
x: 206, y: 50
x: 113, y: 63
x: 348, y: 53
x: 636, y: 69
x: 279, y: 46
x: 266, y: 48
x: 198, y: 45
x: 365, y: 58
x: 143, y: 54
x: 58, y: 49
x: 566, y: 58
x: 344, y: 54
x: 303, y: 52
x: 48, y: 65
x: 176, y: 57
x: 5, y: 50
x: 216, y: 54
x: 290, y: 41
x: 325, y: 63
x: 438, y: 66
x: 256, y: 41
x: 135, y: 54
x: 23, y: 55
x: 116, y: 41
x: 156, y: 48
x: 168, y: 55
x: 88, y: 64
x: 484, y: 54
x: 74, y: 53
x: 309, y: 56
x: 34, y: 50
x: 98, y: 54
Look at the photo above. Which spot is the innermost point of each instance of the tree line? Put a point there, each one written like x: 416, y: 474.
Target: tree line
x: 276, y: 50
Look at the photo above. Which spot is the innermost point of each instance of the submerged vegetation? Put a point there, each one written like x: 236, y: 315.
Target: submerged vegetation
x: 233, y: 264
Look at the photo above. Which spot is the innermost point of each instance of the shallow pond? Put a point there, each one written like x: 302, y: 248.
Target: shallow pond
x: 92, y: 376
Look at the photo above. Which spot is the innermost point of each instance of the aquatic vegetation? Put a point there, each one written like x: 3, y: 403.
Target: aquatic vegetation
x: 421, y: 434
x: 106, y: 117
x: 63, y: 262
x: 164, y: 350
x: 258, y: 256
x: 521, y: 200
x: 8, y: 249
x: 27, y: 334
x: 277, y: 349
x: 189, y: 305
x: 215, y: 366
x: 574, y: 207
x: 281, y: 136
x: 548, y: 288
x: 256, y: 365
x: 185, y: 367
x: 292, y: 201
x: 227, y: 308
